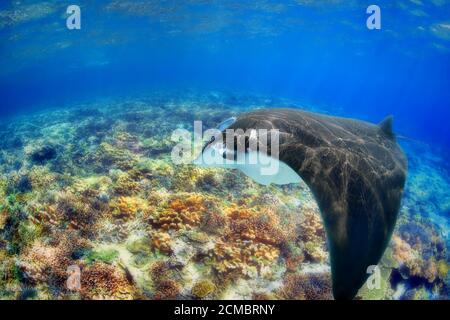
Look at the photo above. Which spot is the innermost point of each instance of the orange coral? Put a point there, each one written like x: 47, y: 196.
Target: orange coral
x: 413, y: 261
x: 239, y: 212
x: 238, y: 255
x: 127, y: 206
x: 312, y: 234
x: 256, y: 224
x: 264, y: 253
x: 312, y: 228
x: 165, y: 287
x: 228, y: 258
x: 180, y: 213
x: 402, y: 250
x: 168, y: 219
x: 3, y: 219
x: 162, y: 242
x: 125, y: 185
x: 252, y: 239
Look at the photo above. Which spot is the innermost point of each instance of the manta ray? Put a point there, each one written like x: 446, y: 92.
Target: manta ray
x: 355, y: 169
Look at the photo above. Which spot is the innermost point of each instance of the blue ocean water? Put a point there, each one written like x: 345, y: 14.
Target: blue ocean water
x: 317, y: 54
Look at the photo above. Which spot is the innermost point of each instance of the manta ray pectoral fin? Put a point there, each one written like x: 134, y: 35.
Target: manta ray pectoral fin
x: 359, y: 218
x: 386, y: 126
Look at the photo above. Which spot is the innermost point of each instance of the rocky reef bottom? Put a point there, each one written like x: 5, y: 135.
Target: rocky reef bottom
x: 92, y: 207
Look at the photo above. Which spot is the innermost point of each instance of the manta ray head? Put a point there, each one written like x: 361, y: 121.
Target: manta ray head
x: 250, y: 151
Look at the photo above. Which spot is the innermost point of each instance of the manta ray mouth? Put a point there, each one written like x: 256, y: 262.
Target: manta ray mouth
x: 256, y: 165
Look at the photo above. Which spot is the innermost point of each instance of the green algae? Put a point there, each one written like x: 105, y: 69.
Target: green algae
x: 105, y: 255
x: 139, y: 246
x: 28, y: 232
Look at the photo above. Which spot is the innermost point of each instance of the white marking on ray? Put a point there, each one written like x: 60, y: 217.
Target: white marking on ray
x: 280, y: 175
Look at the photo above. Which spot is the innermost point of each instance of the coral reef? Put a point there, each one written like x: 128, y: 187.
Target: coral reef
x: 307, y: 287
x: 240, y: 256
x: 127, y: 206
x: 167, y: 290
x: 93, y: 186
x: 49, y: 262
x: 203, y: 288
x: 161, y: 241
x: 180, y: 212
x: 101, y: 281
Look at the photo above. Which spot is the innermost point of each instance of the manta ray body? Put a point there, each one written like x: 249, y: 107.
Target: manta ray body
x: 356, y: 171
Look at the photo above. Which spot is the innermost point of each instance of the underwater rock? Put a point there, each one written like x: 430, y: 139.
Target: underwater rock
x: 103, y: 197
x: 182, y: 252
x: 43, y: 154
x: 19, y: 183
x: 102, y: 255
x: 199, y: 237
